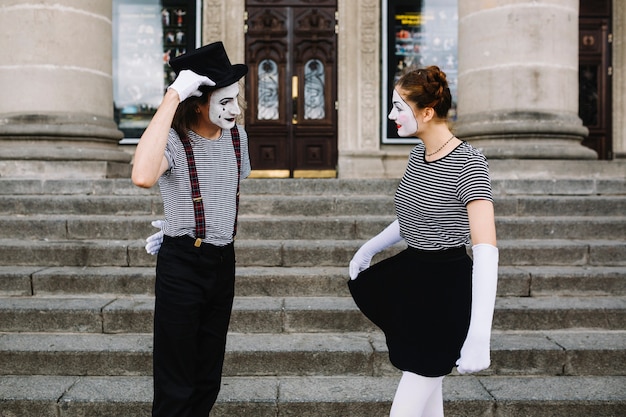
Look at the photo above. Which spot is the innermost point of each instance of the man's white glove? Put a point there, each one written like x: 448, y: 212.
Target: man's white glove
x: 362, y: 258
x: 153, y: 242
x: 187, y: 83
x: 475, y: 350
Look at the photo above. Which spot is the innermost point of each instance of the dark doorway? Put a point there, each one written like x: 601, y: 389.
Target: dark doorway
x: 595, y: 74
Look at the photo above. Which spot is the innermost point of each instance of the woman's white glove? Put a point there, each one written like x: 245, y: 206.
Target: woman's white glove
x: 362, y: 258
x: 187, y: 83
x: 475, y: 350
x: 153, y: 242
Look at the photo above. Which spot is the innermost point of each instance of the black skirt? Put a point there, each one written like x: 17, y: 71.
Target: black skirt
x: 421, y: 300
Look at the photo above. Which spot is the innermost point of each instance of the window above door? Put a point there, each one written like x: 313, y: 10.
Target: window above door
x: 146, y: 34
x: 417, y: 33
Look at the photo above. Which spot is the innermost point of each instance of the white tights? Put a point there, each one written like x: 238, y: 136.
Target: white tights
x: 418, y: 396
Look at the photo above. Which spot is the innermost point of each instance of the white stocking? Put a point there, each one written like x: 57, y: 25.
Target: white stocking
x: 418, y: 396
x: 434, y: 406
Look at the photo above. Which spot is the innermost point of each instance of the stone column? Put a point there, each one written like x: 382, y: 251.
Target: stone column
x: 223, y: 21
x: 358, y: 80
x: 359, y: 118
x: 518, y: 79
x: 56, y: 113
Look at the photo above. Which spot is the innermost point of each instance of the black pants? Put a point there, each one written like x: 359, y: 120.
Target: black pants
x: 194, y: 297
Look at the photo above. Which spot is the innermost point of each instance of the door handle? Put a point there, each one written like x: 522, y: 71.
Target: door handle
x: 294, y: 99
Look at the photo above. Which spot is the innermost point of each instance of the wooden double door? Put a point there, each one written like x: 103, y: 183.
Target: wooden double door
x: 291, y: 87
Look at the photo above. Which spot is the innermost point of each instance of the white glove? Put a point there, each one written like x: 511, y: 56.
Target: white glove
x: 475, y: 350
x: 153, y: 242
x: 187, y: 84
x: 362, y: 258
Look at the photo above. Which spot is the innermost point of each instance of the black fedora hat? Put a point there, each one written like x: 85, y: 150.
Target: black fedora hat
x: 210, y: 60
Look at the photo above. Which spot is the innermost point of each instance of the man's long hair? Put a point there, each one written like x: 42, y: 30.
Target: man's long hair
x: 186, y: 115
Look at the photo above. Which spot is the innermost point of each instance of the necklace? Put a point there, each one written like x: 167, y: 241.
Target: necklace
x: 442, y: 146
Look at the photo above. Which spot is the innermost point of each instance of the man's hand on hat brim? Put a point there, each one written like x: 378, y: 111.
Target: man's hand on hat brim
x: 188, y: 82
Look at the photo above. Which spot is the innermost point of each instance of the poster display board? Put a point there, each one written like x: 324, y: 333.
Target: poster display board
x: 146, y: 34
x: 417, y: 33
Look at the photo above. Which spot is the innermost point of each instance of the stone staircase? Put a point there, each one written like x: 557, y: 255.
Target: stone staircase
x: 76, y: 299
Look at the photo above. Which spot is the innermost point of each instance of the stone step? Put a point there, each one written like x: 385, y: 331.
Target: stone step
x: 554, y: 205
x: 522, y: 281
x: 124, y: 186
x: 304, y: 205
x: 291, y: 314
x: 510, y: 228
x: 81, y: 204
x: 298, y: 346
x: 80, y: 227
x: 567, y: 185
x: 320, y: 396
x: 540, y: 353
x: 298, y: 253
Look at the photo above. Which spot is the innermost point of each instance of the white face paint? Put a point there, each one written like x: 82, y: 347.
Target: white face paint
x: 223, y: 106
x: 402, y: 114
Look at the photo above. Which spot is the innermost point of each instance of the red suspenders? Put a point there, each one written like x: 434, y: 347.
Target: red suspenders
x: 198, y: 205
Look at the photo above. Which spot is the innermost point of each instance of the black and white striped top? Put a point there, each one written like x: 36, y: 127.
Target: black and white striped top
x: 432, y: 196
x: 217, y: 174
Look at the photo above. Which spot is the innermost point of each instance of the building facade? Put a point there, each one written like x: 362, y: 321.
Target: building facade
x: 319, y: 80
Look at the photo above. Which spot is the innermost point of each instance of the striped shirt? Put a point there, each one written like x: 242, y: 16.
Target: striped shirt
x: 217, y: 174
x: 432, y: 197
